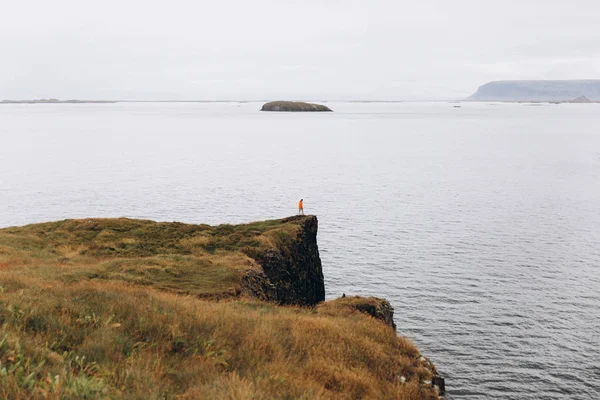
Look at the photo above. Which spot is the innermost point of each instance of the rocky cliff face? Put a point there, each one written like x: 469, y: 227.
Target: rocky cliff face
x: 291, y: 274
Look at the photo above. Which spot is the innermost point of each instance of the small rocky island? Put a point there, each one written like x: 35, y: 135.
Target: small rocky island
x: 293, y: 106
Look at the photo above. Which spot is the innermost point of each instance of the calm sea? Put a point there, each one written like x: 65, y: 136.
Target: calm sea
x: 480, y: 224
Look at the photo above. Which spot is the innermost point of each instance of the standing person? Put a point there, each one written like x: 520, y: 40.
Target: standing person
x: 301, y: 207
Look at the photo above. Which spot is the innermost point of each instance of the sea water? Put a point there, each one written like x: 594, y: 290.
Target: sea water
x: 480, y: 223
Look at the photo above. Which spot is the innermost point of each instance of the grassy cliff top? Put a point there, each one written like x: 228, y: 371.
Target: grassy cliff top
x: 119, y: 308
x: 197, y: 259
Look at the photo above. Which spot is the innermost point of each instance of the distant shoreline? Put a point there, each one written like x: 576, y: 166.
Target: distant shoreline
x: 453, y: 101
x: 55, y: 101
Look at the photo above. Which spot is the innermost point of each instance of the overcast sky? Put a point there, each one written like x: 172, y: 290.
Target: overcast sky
x: 289, y: 49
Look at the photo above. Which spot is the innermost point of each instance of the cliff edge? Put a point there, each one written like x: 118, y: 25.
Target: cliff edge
x: 290, y: 273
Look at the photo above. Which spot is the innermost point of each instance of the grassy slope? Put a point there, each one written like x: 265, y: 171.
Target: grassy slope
x: 94, y: 308
x: 196, y: 259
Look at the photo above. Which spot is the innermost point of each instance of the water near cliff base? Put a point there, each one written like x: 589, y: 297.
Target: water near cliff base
x: 480, y: 224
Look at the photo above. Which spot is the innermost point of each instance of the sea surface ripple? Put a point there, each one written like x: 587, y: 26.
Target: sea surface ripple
x: 480, y: 224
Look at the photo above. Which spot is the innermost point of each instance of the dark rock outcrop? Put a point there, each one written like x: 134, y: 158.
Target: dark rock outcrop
x: 537, y: 91
x: 291, y: 274
x: 377, y: 308
x: 440, y: 383
x: 437, y: 381
x: 292, y: 106
x: 381, y: 310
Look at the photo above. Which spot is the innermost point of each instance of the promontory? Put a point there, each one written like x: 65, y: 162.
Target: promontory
x: 538, y: 91
x: 292, y: 106
x: 121, y: 308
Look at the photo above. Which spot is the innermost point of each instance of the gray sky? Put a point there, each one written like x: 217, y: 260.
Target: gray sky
x: 290, y: 49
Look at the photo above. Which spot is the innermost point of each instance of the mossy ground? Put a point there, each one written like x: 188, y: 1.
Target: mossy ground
x: 120, y: 308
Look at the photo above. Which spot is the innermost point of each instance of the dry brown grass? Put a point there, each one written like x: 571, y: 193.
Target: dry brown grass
x: 69, y: 251
x: 93, y: 339
x: 196, y: 259
x: 68, y: 334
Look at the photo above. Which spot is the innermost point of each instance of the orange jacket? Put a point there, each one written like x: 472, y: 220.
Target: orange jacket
x: 300, y: 205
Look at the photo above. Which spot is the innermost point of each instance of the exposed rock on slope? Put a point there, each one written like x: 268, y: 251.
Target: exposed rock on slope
x: 377, y: 308
x: 537, y: 90
x: 293, y: 106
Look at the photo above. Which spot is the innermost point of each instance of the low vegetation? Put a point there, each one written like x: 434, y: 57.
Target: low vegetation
x: 119, y: 308
x: 194, y: 259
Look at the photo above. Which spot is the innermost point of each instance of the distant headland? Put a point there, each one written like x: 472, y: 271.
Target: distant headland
x: 54, y: 101
x: 575, y: 91
x: 293, y: 106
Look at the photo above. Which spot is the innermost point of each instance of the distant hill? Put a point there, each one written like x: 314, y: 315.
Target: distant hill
x: 581, y: 99
x: 537, y: 91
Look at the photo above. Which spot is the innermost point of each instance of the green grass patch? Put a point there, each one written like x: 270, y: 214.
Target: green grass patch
x: 185, y: 258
